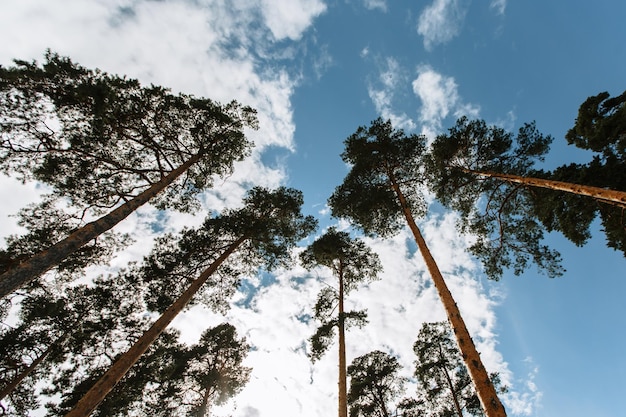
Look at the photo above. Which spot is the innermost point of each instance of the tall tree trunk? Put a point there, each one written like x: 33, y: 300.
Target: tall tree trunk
x: 484, y: 387
x: 47, y: 259
x: 343, y: 385
x: 29, y: 369
x: 614, y: 197
x: 203, y: 410
x: 105, y: 384
x: 455, y: 399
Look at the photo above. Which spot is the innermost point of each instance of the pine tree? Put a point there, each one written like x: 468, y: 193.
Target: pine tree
x: 209, y: 372
x: 381, y: 188
x: 600, y: 128
x: 109, y: 145
x: 489, y: 176
x: 374, y: 384
x: 261, y: 233
x: 352, y: 262
x: 48, y: 222
x: 60, y: 338
x: 444, y: 386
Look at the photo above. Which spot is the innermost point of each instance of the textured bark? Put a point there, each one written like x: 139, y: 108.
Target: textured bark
x: 105, y: 384
x: 47, y: 259
x: 484, y: 387
x: 343, y: 385
x: 614, y: 197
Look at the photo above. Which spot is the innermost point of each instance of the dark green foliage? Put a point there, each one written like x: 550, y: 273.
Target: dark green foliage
x: 128, y: 396
x: 353, y: 263
x: 374, y: 384
x: 601, y: 128
x: 510, y: 219
x: 380, y: 156
x: 209, y: 372
x: 173, y: 379
x: 88, y: 329
x: 323, y: 337
x: 349, y: 257
x: 444, y: 385
x: 494, y: 210
x: 48, y: 222
x: 216, y: 363
x: 270, y: 224
x: 80, y: 331
x: 101, y: 139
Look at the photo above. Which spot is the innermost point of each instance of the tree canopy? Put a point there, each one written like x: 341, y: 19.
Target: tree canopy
x: 493, y: 179
x: 101, y: 139
x: 263, y: 232
x: 352, y: 262
x: 600, y: 128
x: 383, y: 186
x: 374, y: 384
x: 507, y: 236
x: 444, y: 387
x: 106, y: 143
x: 380, y: 155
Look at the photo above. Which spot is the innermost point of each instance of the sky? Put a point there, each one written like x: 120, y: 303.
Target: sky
x: 316, y: 70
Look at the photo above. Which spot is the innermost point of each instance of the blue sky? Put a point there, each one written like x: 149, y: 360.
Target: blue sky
x: 316, y: 70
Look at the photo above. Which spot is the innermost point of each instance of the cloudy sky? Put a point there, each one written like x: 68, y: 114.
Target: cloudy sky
x: 316, y: 70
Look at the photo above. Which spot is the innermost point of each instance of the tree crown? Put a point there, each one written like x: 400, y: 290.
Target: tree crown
x: 381, y: 157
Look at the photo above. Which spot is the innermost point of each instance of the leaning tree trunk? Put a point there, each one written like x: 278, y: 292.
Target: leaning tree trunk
x: 29, y: 369
x: 484, y: 387
x: 343, y: 385
x: 105, y: 384
x: 608, y: 196
x: 47, y: 259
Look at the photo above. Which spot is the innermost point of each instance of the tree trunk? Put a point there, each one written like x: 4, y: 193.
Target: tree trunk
x: 203, y: 410
x: 614, y: 197
x: 455, y: 399
x: 343, y: 385
x: 30, y: 368
x: 105, y: 384
x: 484, y: 387
x: 47, y: 259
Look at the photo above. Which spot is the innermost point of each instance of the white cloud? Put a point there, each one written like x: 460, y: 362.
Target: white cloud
x: 440, y: 98
x: 438, y: 94
x: 14, y: 196
x: 289, y: 19
x: 499, y: 6
x: 205, y: 48
x: 322, y: 62
x: 526, y: 400
x: 391, y: 80
x: 376, y: 4
x: 441, y: 21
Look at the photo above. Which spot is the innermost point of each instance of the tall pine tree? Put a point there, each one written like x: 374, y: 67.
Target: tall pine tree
x: 109, y: 145
x: 444, y: 388
x: 381, y: 188
x: 352, y: 262
x: 260, y: 234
